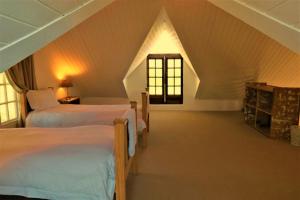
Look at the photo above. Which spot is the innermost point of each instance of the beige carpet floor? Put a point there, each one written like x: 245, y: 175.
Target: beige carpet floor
x: 213, y: 156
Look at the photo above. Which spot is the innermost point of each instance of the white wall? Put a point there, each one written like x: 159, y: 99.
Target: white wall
x: 137, y: 81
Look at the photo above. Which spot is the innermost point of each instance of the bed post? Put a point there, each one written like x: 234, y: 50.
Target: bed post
x: 145, y: 116
x: 134, y: 106
x: 134, y: 161
x: 145, y: 108
x: 120, y: 158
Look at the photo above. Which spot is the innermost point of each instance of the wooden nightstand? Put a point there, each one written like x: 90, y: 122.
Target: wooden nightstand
x: 69, y: 100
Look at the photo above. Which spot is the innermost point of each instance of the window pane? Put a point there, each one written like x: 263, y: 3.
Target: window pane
x: 170, y: 90
x: 159, y: 90
x: 151, y: 81
x: 2, y: 94
x: 177, y: 62
x: 158, y: 72
x: 3, y: 113
x: 170, y: 72
x: 158, y: 63
x: 151, y: 72
x: 177, y: 90
x: 5, y: 80
x: 11, y: 95
x: 152, y: 63
x: 12, y: 111
x: 178, y: 81
x: 1, y: 78
x: 177, y: 72
x: 170, y: 63
x: 170, y: 81
x: 152, y: 90
x: 158, y: 81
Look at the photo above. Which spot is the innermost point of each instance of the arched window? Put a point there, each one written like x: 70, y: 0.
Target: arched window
x: 8, y: 101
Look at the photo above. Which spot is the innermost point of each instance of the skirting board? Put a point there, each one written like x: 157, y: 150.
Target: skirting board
x: 104, y: 100
x: 194, y: 105
x: 203, y: 105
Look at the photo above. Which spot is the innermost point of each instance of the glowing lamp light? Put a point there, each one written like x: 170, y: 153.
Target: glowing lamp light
x: 63, y: 68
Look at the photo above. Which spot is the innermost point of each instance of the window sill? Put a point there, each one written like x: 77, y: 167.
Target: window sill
x: 9, y: 124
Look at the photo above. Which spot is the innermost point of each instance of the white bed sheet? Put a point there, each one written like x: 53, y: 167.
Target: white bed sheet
x: 58, y: 163
x: 68, y: 115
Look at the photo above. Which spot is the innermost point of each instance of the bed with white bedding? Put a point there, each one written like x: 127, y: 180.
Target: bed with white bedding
x: 142, y: 109
x: 47, y: 112
x: 68, y: 115
x: 59, y: 163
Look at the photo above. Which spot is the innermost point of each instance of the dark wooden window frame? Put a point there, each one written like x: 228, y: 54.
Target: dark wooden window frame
x: 165, y: 98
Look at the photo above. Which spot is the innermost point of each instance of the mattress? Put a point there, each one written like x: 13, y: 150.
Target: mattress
x: 58, y: 163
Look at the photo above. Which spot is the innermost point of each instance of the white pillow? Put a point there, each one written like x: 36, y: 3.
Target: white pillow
x: 41, y: 99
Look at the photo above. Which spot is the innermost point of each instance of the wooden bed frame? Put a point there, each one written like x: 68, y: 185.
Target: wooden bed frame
x: 145, y: 117
x: 124, y: 164
x: 25, y: 110
x: 123, y: 161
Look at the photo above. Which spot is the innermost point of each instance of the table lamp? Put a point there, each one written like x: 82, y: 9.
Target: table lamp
x: 66, y: 83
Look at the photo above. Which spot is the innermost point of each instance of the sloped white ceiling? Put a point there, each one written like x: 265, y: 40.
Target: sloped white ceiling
x: 224, y: 50
x: 279, y: 19
x: 98, y: 52
x: 28, y: 25
x: 287, y: 11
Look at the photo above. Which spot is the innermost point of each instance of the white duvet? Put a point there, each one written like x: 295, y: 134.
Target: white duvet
x: 58, y: 163
x: 68, y: 115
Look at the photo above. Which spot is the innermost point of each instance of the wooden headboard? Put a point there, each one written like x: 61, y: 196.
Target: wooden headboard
x: 25, y: 107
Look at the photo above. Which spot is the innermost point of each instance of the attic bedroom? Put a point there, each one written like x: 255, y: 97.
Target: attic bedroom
x: 149, y: 100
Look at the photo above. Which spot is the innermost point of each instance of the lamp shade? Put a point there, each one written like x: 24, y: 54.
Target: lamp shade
x: 66, y: 83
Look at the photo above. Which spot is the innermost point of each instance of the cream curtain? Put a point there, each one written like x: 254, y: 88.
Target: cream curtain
x: 22, y: 78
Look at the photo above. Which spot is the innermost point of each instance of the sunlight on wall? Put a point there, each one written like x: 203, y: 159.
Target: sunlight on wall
x: 164, y: 43
x: 162, y: 39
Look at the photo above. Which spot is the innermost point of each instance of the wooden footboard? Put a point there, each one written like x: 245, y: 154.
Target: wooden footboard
x: 145, y: 117
x: 123, y: 162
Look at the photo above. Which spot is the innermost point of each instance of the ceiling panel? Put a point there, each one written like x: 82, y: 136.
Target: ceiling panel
x: 29, y: 11
x: 2, y: 44
x: 62, y: 6
x: 13, y: 30
x: 19, y: 38
x: 288, y: 12
x: 82, y: 1
x: 278, y: 22
x: 263, y: 5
